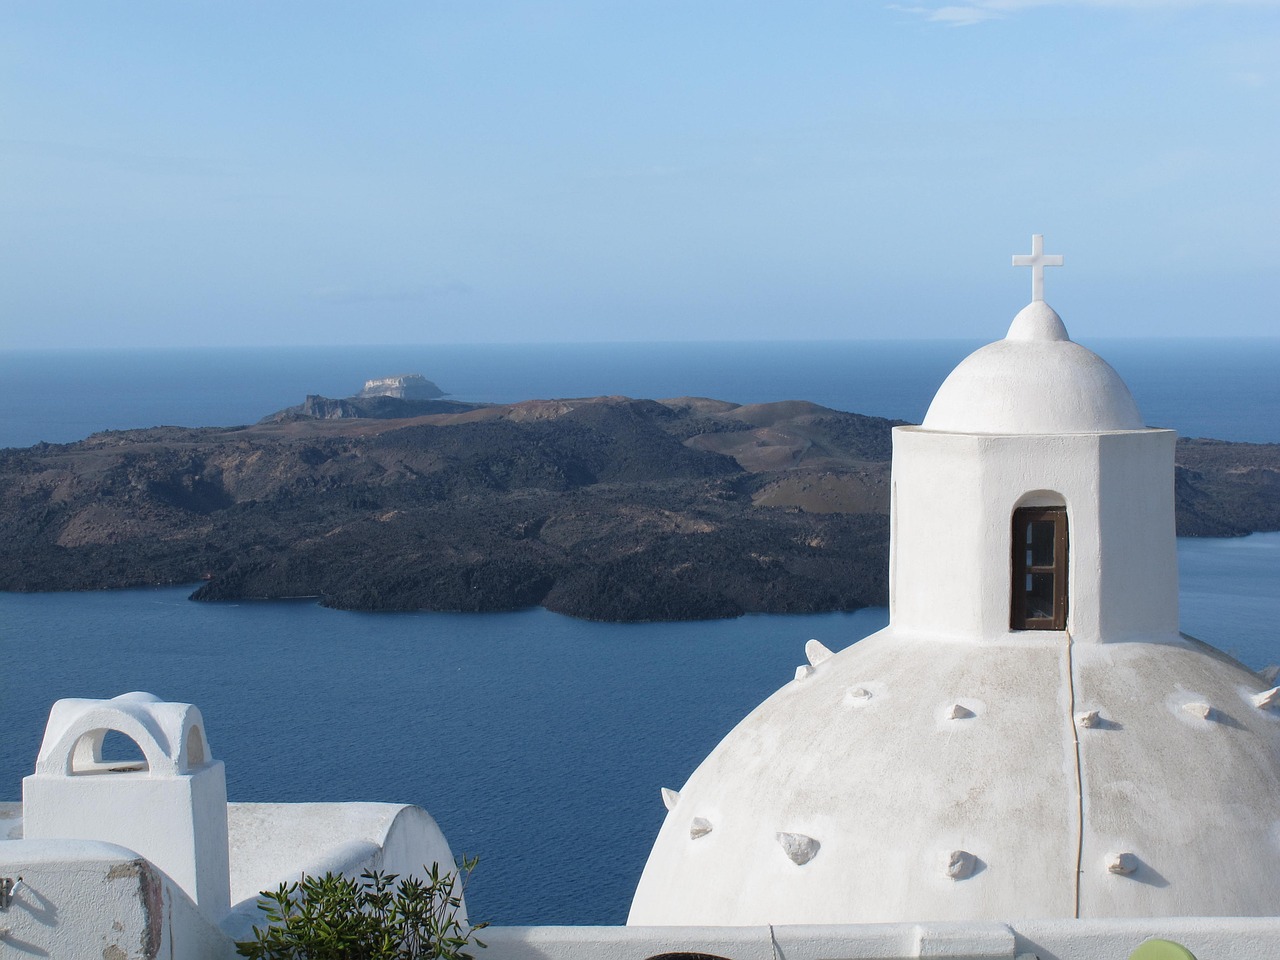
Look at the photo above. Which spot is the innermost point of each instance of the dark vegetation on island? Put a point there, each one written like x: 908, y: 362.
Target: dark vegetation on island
x: 606, y: 508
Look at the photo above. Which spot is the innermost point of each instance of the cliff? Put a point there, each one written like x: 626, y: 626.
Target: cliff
x: 374, y: 407
x: 408, y: 386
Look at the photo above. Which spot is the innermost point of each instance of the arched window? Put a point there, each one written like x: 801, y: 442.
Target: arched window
x: 1039, y: 569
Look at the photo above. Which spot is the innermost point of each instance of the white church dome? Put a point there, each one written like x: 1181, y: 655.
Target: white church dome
x: 914, y: 779
x: 1034, y: 381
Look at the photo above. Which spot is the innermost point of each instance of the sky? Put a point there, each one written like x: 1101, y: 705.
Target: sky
x: 268, y: 173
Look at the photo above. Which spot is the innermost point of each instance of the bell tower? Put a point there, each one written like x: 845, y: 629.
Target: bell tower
x: 1032, y: 497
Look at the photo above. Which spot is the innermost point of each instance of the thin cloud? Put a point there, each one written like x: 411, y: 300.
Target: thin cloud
x: 430, y: 291
x: 93, y: 154
x: 963, y: 16
x: 981, y: 11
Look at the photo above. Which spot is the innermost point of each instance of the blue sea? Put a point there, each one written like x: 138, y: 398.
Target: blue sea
x: 538, y: 742
x: 1227, y: 389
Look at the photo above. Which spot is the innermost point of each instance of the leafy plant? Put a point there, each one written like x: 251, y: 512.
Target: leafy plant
x: 334, y: 917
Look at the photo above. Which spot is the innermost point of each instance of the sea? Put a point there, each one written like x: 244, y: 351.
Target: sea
x: 538, y: 742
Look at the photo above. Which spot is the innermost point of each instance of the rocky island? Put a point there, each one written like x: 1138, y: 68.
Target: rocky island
x: 607, y: 508
x: 388, y: 398
x: 406, y: 386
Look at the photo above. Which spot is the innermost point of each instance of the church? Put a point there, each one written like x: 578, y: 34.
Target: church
x: 1031, y: 736
x: 1029, y: 761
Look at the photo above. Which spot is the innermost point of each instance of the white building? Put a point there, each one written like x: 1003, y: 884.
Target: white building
x: 1030, y: 737
x: 147, y: 859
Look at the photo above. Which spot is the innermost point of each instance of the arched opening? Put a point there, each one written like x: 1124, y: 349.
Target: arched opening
x: 107, y: 751
x: 195, y: 747
x: 1039, y: 589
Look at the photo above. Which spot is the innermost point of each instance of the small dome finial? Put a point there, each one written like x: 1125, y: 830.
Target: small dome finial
x: 1037, y: 261
x: 1037, y: 321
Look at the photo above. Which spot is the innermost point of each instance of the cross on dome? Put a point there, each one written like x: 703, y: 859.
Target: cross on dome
x: 1037, y: 261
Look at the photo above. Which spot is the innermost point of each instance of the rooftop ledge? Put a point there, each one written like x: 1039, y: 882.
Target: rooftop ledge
x: 101, y: 889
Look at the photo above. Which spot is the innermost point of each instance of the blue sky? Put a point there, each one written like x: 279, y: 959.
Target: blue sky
x: 191, y: 173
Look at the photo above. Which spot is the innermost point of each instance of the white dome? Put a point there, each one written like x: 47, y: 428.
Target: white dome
x: 848, y: 795
x: 1034, y: 381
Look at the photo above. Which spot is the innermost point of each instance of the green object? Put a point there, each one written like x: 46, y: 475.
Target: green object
x: 1161, y: 950
x: 374, y: 918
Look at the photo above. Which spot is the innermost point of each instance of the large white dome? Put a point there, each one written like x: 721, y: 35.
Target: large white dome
x: 1034, y: 381
x: 911, y: 779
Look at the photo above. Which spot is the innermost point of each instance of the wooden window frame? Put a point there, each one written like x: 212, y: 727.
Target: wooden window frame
x: 1018, y: 617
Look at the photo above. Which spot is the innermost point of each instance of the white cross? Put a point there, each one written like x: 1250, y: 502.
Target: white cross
x: 1037, y: 261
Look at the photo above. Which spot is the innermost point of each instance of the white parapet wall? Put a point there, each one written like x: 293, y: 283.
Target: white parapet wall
x: 275, y: 843
x: 94, y: 900
x: 976, y: 941
x: 1207, y: 938
x: 98, y: 901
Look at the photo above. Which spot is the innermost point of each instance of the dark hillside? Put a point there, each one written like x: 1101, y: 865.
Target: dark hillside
x: 606, y: 508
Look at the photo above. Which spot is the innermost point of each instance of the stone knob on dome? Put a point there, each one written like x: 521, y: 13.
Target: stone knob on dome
x: 800, y: 848
x: 959, y: 864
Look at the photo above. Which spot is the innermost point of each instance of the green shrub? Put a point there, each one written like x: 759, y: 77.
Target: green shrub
x: 374, y: 918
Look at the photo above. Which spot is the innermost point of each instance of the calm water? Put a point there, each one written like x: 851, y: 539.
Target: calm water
x: 1215, y: 388
x: 537, y: 741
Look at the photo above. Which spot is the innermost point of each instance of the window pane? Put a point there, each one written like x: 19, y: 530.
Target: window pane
x: 1040, y: 596
x: 1039, y: 600
x: 1040, y: 540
